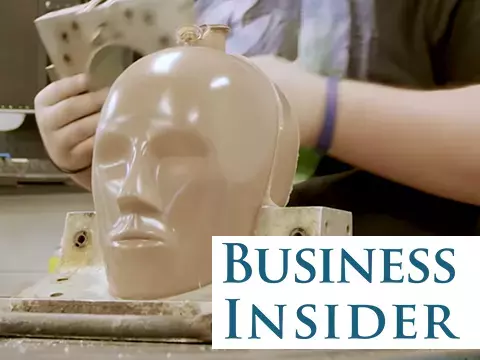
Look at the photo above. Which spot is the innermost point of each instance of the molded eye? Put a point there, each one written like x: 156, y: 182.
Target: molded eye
x: 178, y: 144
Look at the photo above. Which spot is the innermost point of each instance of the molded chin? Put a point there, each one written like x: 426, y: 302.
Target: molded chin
x: 149, y: 270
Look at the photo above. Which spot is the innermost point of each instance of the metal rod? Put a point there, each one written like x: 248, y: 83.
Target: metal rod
x: 105, y: 327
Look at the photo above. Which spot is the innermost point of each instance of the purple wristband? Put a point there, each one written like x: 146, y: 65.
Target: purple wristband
x: 326, y: 135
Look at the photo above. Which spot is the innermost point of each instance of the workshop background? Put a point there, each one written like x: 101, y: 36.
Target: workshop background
x: 34, y: 196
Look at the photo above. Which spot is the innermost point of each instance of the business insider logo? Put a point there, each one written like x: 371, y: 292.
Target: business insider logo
x: 345, y: 293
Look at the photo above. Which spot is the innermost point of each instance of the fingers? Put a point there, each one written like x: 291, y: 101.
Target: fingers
x: 79, y: 157
x: 61, y: 90
x: 67, y: 116
x: 77, y: 132
x: 70, y: 110
x: 83, y: 152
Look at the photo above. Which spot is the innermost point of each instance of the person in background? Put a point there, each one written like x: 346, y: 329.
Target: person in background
x: 399, y: 140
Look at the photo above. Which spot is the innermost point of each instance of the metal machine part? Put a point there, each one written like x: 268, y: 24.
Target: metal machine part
x: 73, y: 301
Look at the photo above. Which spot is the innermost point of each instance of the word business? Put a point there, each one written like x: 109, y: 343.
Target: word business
x: 344, y: 293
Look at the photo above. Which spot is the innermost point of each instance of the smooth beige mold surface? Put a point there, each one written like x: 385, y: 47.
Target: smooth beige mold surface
x: 185, y: 150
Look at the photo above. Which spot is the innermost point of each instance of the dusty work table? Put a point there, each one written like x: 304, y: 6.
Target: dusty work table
x: 35, y: 349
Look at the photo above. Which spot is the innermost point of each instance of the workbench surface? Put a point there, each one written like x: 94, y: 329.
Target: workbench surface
x: 33, y: 349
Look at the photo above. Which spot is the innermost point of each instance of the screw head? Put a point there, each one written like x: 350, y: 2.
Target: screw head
x: 80, y: 239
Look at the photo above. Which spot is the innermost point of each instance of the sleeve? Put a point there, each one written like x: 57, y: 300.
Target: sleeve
x: 462, y: 44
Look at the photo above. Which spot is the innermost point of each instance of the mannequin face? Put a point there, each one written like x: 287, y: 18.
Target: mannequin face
x: 183, y: 152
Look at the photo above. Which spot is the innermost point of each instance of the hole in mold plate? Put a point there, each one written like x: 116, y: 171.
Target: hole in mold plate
x: 298, y: 232
x: 108, y: 63
x: 164, y: 41
x: 128, y: 14
x: 80, y: 239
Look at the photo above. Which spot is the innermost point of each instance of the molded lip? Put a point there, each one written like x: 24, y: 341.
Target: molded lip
x: 138, y: 238
x: 138, y: 244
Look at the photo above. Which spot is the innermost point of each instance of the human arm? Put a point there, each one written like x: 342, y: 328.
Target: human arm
x: 425, y: 140
x: 441, y: 128
x: 428, y: 140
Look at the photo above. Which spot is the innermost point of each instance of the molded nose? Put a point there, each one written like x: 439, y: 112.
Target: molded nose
x: 139, y: 192
x: 137, y: 204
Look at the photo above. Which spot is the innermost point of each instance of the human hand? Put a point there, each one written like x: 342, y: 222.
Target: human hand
x: 67, y: 117
x: 304, y: 91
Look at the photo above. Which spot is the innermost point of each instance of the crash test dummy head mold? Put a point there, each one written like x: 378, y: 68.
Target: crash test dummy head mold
x: 185, y: 150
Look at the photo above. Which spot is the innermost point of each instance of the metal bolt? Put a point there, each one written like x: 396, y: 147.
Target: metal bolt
x: 188, y: 35
x: 80, y: 239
